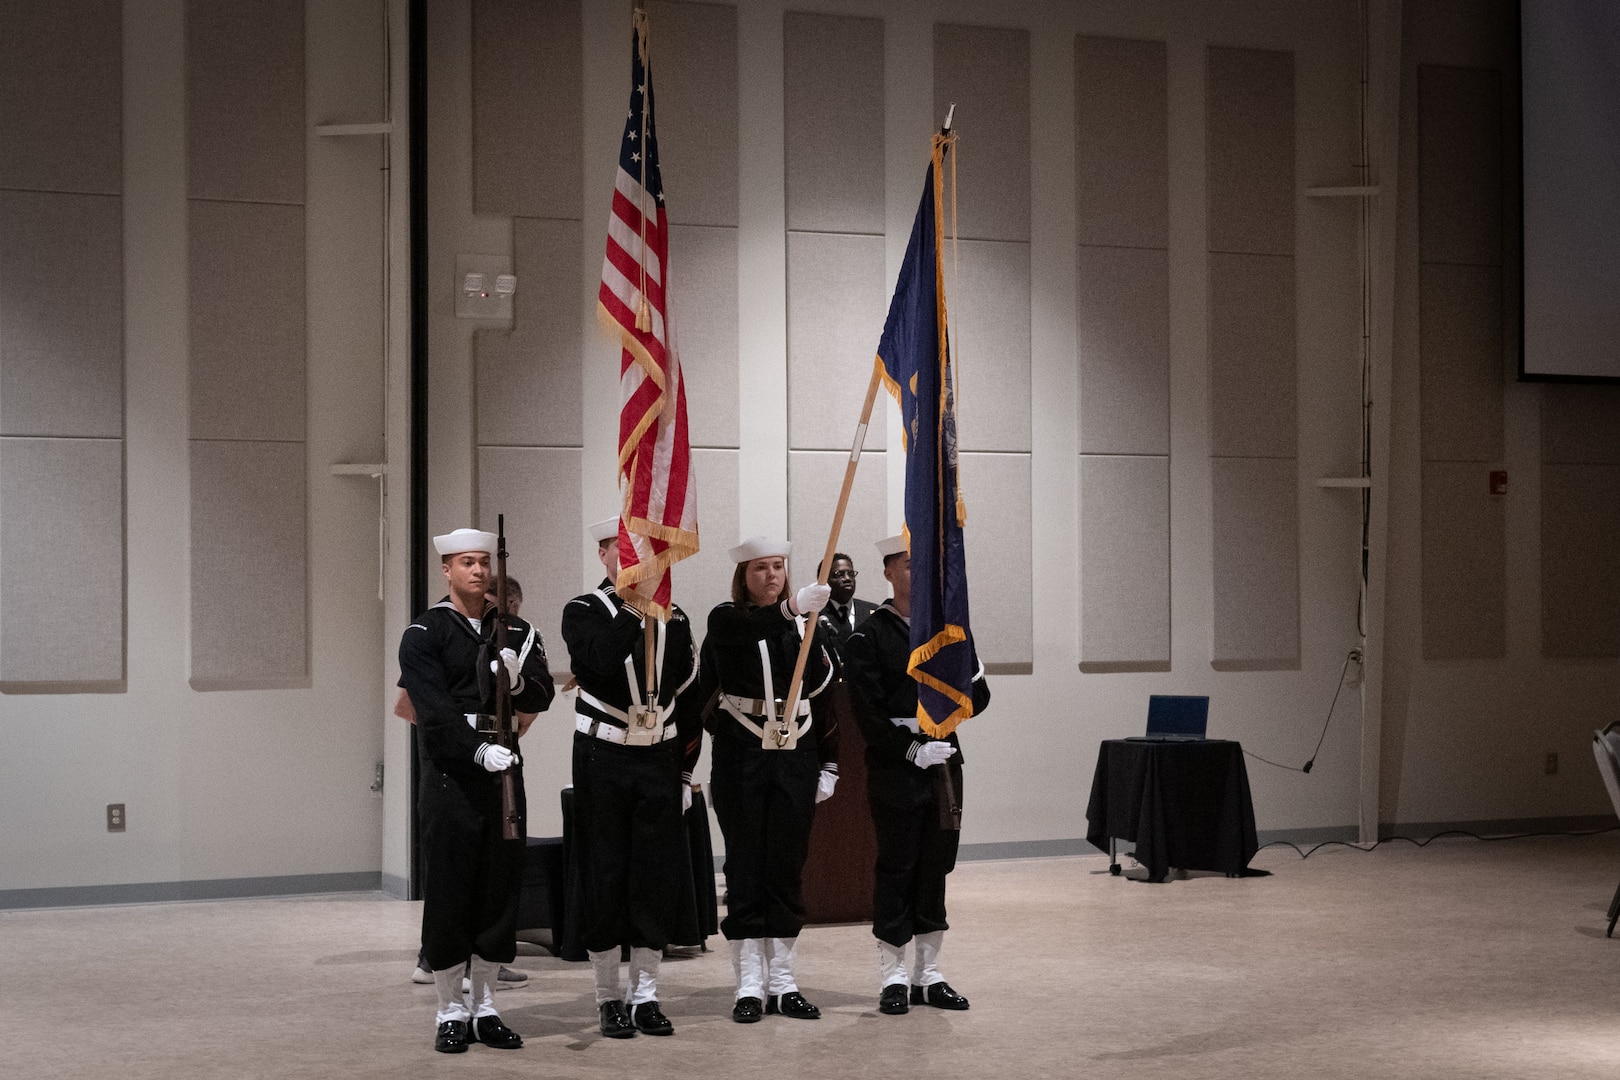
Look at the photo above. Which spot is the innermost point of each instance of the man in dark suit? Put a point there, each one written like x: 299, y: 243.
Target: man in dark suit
x: 843, y: 612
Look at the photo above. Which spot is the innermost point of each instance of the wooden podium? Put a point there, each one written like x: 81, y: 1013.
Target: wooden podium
x: 843, y: 844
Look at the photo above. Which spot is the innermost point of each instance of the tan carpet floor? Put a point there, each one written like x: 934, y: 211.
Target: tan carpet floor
x: 1463, y: 959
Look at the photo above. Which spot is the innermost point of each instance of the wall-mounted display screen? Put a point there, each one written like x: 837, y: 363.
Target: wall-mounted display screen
x: 1570, y: 75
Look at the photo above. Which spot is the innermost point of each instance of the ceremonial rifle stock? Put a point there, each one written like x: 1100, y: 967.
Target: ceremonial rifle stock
x: 950, y: 807
x: 511, y: 825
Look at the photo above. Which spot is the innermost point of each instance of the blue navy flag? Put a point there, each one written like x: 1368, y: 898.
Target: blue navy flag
x: 914, y: 362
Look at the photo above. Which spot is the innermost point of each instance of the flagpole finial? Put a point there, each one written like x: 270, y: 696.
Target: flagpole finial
x: 945, y: 129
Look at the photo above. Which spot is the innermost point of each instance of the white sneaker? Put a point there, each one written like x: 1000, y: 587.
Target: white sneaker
x: 422, y: 977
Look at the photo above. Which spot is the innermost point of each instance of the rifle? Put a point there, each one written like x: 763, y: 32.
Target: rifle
x: 511, y: 824
x: 950, y: 805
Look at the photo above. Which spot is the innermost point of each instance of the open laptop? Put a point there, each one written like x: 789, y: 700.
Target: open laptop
x: 1177, y: 718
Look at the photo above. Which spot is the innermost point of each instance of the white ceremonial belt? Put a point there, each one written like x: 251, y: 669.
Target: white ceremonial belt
x: 909, y: 722
x: 617, y: 713
x: 740, y: 708
x: 757, y: 706
x: 601, y: 729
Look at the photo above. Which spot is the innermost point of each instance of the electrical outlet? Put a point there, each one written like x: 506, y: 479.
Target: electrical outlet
x: 115, y: 817
x: 1551, y: 767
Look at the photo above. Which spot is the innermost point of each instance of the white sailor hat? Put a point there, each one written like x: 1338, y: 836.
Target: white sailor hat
x: 759, y: 547
x: 891, y: 545
x: 604, y: 530
x: 454, y: 543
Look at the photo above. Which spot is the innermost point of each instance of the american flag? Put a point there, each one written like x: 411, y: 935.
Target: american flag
x: 658, y: 522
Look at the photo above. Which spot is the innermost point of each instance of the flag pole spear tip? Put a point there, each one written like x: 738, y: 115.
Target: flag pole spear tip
x: 945, y: 129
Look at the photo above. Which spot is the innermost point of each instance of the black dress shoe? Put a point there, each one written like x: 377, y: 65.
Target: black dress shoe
x: 615, y: 1021
x: 939, y: 995
x: 650, y: 1020
x: 792, y: 1005
x: 452, y: 1037
x: 491, y: 1032
x: 746, y: 1011
x: 893, y: 1000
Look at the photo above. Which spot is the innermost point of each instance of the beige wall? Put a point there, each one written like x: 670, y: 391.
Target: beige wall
x: 266, y: 783
x: 231, y: 783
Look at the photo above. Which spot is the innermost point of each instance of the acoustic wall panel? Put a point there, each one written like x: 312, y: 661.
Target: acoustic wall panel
x: 1253, y: 382
x: 1580, y: 518
x: 1256, y: 563
x: 528, y: 108
x: 1124, y: 563
x: 61, y: 561
x: 1250, y: 141
x: 245, y: 124
x: 1459, y: 165
x: 989, y: 296
x: 249, y: 565
x: 1580, y: 424
x: 61, y: 314
x: 528, y: 378
x: 1580, y: 575
x: 703, y: 313
x: 704, y: 580
x: 836, y: 306
x: 814, y: 480
x: 247, y: 320
x: 1122, y: 142
x: 1460, y: 361
x: 61, y: 96
x: 694, y: 57
x: 998, y: 538
x: 1464, y: 563
x: 985, y: 70
x: 1123, y: 315
x: 1253, y: 392
x: 248, y: 343
x: 1124, y: 320
x: 833, y: 114
x: 537, y: 488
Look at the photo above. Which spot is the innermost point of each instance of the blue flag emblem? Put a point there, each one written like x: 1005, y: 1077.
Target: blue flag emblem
x: 914, y: 362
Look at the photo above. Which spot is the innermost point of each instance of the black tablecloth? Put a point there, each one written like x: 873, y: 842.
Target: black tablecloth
x: 697, y: 906
x: 1184, y: 804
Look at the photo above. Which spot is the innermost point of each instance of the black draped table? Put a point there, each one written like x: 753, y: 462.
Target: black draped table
x: 1184, y: 804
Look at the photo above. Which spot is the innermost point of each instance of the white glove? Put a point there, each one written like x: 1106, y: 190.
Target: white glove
x: 825, y: 785
x: 495, y: 758
x: 514, y: 673
x: 686, y: 798
x: 933, y: 753
x: 811, y: 599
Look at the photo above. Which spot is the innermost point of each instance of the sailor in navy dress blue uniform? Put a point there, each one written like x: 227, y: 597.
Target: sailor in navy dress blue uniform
x: 768, y: 770
x: 471, y: 874
x: 632, y: 787
x: 914, y: 852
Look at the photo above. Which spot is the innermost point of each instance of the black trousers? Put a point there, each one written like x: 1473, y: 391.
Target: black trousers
x: 629, y: 838
x: 471, y: 875
x: 765, y: 801
x: 913, y: 853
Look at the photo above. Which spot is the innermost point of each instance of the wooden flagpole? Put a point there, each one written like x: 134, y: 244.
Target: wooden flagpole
x: 789, y: 712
